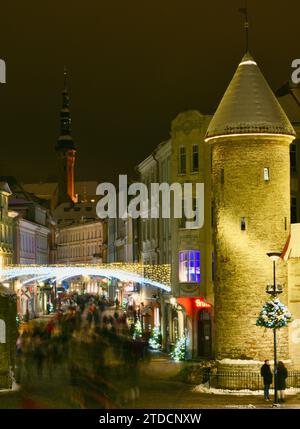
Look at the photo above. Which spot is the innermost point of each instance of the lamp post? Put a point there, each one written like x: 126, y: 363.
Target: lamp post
x: 274, y: 290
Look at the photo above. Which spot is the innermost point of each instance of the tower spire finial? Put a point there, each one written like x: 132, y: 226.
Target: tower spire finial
x: 244, y: 11
x: 65, y: 78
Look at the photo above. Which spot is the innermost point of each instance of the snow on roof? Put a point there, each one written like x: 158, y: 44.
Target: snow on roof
x: 249, y: 106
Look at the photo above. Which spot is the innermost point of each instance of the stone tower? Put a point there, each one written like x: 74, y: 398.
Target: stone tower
x: 66, y: 151
x: 250, y: 137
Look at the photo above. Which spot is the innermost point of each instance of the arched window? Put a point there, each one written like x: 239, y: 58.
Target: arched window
x: 2, y: 332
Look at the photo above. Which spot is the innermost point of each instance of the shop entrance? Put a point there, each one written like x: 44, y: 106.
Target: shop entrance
x: 204, y: 334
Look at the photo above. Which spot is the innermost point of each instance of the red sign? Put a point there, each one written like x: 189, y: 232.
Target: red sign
x: 200, y: 303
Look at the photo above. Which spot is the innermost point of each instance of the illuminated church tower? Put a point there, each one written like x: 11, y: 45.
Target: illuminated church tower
x: 250, y: 137
x: 66, y: 151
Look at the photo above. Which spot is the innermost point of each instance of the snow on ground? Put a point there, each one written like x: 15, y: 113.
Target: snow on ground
x: 245, y: 361
x: 14, y: 388
x: 240, y: 362
x: 204, y: 388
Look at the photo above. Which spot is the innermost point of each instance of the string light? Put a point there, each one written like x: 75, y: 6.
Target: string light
x: 153, y: 275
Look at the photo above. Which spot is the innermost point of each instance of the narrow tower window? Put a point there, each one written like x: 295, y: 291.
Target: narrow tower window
x: 266, y: 174
x: 285, y: 223
x: 243, y: 224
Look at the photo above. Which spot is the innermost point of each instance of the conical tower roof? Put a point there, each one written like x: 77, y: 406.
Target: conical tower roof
x: 249, y: 106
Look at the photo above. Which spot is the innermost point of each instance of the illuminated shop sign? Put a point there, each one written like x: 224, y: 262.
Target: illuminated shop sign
x: 200, y: 303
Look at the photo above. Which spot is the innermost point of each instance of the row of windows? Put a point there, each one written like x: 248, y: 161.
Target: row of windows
x: 27, y: 243
x: 79, y: 236
x: 182, y: 160
x: 78, y: 251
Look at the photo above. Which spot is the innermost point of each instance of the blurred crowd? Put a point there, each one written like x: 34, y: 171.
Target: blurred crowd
x: 91, y: 342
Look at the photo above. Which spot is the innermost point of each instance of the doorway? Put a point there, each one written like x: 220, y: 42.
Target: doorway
x: 204, y: 334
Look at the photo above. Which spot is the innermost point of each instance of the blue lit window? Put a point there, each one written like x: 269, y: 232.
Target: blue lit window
x: 189, y: 266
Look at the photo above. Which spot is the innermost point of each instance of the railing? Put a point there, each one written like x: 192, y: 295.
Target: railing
x: 245, y: 380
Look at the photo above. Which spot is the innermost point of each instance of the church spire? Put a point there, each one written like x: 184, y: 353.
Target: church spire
x: 65, y: 148
x: 65, y: 114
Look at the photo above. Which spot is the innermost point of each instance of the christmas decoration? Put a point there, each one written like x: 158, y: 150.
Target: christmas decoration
x: 137, y: 332
x: 124, y: 304
x: 18, y: 320
x: 152, y: 275
x: 155, y: 339
x: 274, y: 315
x: 178, y: 353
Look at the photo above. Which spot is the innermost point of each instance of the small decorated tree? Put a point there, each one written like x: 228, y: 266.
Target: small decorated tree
x: 274, y: 315
x: 137, y: 332
x: 155, y: 339
x: 178, y: 354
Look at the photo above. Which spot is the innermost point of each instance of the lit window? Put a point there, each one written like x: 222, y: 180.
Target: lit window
x: 195, y: 158
x: 266, y: 174
x: 182, y: 161
x: 189, y: 266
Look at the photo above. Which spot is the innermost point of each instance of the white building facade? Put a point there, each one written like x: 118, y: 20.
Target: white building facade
x: 82, y: 243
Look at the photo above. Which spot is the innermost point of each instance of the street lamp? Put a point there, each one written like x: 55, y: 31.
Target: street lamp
x: 274, y: 290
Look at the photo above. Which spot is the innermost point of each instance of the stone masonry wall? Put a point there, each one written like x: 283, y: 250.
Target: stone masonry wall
x: 242, y: 267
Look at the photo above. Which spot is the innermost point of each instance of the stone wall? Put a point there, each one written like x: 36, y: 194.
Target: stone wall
x: 242, y: 267
x: 294, y: 307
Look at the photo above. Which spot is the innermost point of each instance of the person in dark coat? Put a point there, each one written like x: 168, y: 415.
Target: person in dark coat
x: 281, y: 380
x: 266, y: 373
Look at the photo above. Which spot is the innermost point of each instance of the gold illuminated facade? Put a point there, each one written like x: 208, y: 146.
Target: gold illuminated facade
x: 250, y: 137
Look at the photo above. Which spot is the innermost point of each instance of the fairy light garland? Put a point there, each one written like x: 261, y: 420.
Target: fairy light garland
x: 154, y: 275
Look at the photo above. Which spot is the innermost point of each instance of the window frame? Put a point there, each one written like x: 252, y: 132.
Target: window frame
x: 182, y: 154
x: 189, y: 260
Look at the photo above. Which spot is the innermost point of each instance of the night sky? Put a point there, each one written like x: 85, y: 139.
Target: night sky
x: 133, y: 66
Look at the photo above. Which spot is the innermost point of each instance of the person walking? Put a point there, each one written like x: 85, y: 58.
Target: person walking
x: 266, y: 373
x: 282, y: 374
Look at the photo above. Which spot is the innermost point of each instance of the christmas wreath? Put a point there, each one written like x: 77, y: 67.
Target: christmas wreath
x: 273, y: 315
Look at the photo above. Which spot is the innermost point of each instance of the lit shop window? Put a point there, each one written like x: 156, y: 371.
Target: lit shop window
x: 266, y: 174
x: 189, y: 266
